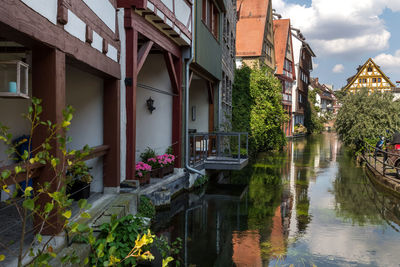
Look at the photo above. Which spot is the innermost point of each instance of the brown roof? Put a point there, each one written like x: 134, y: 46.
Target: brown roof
x: 281, y: 34
x: 250, y: 28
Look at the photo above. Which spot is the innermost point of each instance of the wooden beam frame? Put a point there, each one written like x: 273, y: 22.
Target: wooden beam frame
x: 50, y: 89
x: 143, y: 53
x: 173, y: 75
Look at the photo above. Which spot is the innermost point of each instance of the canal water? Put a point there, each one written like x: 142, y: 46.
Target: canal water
x: 308, y: 205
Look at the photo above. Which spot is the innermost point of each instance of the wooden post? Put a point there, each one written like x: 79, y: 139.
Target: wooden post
x: 131, y: 87
x: 48, y: 82
x: 111, y: 133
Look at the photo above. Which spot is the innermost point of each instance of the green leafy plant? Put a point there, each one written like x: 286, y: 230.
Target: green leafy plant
x: 169, y: 150
x: 79, y: 172
x: 147, y: 154
x: 52, y: 153
x: 116, y: 240
x: 146, y: 208
x: 169, y: 251
x: 201, y: 181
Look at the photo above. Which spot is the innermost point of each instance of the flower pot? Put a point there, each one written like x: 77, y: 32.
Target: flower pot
x: 145, y: 179
x: 79, y: 190
x: 166, y: 170
x: 155, y: 173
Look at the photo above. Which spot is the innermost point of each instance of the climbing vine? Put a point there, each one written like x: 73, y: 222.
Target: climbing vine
x: 257, y: 108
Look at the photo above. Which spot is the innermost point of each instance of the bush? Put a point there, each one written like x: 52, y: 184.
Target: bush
x: 146, y: 208
x: 366, y: 116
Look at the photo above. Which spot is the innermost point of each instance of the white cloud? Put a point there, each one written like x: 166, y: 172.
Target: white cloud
x: 389, y: 63
x: 345, y: 27
x: 339, y: 68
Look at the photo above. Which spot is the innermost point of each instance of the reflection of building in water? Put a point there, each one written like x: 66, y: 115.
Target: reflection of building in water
x: 246, y: 249
x: 206, y: 224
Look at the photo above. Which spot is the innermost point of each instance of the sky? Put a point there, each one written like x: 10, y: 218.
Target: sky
x: 345, y: 33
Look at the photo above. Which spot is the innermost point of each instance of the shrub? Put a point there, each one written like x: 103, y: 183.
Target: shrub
x: 146, y: 208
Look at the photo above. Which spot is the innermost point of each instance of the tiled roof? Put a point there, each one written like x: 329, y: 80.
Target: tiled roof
x: 250, y: 28
x: 281, y: 32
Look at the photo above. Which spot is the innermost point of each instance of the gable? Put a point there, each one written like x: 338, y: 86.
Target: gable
x: 370, y: 76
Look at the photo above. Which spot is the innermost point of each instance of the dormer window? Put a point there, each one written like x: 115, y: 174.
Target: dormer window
x: 369, y: 69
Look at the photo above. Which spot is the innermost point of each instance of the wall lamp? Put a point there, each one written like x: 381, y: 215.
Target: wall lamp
x: 150, y: 105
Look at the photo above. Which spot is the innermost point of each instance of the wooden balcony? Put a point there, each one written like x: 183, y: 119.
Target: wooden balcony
x: 219, y: 151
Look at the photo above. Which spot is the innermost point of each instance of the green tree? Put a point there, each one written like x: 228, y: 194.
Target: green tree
x: 257, y: 108
x: 312, y: 121
x: 365, y: 116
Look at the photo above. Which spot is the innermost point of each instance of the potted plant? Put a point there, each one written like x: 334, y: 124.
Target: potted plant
x: 78, y: 180
x: 143, y: 172
x: 168, y: 161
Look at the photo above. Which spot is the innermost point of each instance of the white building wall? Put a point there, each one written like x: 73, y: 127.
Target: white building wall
x: 46, y: 8
x: 84, y: 92
x: 122, y: 37
x: 154, y: 129
x: 198, y: 99
x: 297, y: 44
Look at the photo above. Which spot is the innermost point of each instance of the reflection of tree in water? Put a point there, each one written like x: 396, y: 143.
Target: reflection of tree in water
x: 353, y: 193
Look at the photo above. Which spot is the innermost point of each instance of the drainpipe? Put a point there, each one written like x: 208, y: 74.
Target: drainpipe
x: 188, y: 62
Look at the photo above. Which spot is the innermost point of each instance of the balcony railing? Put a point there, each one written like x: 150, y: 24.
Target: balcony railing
x: 217, y: 149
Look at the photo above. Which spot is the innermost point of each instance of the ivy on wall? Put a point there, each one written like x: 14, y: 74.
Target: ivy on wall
x: 257, y: 108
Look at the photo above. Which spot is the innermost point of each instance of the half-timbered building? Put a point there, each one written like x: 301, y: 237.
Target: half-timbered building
x: 285, y: 70
x: 255, y: 37
x: 370, y: 76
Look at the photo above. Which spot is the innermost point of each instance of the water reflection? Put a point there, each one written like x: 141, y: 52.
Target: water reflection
x: 309, y: 204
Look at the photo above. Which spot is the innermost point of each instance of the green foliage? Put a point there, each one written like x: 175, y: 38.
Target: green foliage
x: 257, y: 108
x: 169, y: 150
x: 169, y: 250
x: 312, y: 121
x: 25, y: 200
x: 146, y: 208
x: 148, y: 153
x: 367, y: 116
x: 116, y: 240
x: 201, y: 181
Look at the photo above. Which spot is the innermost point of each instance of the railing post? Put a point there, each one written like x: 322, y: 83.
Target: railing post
x: 218, y: 144
x: 247, y: 145
x: 239, y: 147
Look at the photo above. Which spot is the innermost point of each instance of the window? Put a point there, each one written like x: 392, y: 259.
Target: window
x: 360, y: 80
x: 210, y: 17
x: 379, y: 80
x: 374, y: 80
x: 287, y: 67
x: 364, y: 80
x: 369, y: 69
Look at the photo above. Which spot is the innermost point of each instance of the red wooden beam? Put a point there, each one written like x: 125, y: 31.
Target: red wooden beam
x: 111, y: 133
x: 169, y: 61
x: 143, y: 53
x: 138, y: 4
x: 131, y: 86
x: 51, y: 89
x: 210, y: 93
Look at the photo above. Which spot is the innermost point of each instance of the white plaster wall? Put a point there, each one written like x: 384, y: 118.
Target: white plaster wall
x: 154, y: 130
x: 198, y: 97
x: 123, y: 94
x: 84, y: 92
x: 75, y: 26
x: 182, y: 11
x: 46, y: 8
x: 104, y: 10
x: 11, y: 111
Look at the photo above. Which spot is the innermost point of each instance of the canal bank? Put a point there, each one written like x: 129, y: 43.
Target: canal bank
x: 310, y: 204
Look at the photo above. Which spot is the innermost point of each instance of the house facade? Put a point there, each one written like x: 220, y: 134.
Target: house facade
x: 255, y: 35
x: 369, y: 76
x: 303, y: 55
x: 285, y: 70
x: 71, y: 51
